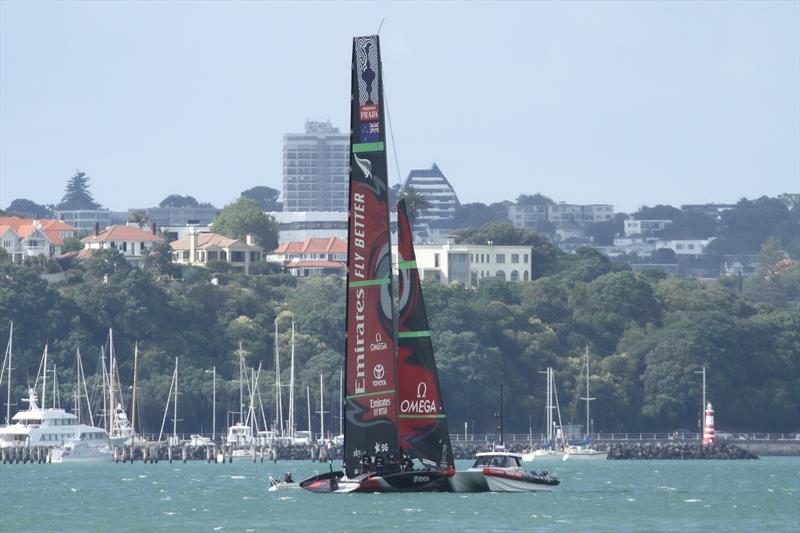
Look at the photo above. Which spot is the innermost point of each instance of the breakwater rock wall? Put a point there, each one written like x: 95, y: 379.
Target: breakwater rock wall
x: 678, y: 451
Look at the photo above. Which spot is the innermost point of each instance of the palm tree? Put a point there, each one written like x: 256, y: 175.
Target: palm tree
x: 140, y: 218
x: 416, y: 202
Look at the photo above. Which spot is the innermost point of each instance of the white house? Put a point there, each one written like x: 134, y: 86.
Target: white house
x: 202, y: 248
x: 644, y: 227
x: 25, y: 237
x: 131, y: 241
x: 684, y: 246
x: 470, y: 263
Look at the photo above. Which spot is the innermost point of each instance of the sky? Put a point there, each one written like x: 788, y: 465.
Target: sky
x: 627, y: 103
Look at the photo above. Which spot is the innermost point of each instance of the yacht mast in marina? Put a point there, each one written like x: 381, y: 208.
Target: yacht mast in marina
x: 588, y: 398
x: 135, y: 386
x: 7, y: 361
x: 291, y: 388
x: 175, y: 406
x: 278, y: 403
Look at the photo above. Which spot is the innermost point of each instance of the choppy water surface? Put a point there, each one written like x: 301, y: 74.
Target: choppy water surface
x: 594, y: 496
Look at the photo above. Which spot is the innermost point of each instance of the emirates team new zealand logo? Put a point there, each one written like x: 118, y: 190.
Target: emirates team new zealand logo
x: 368, y: 82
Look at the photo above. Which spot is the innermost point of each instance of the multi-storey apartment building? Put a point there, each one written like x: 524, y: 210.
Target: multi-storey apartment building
x: 315, y: 168
x: 85, y: 219
x: 437, y: 190
x: 178, y: 216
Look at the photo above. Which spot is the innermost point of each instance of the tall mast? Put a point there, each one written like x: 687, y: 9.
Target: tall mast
x: 588, y: 398
x: 111, y: 406
x: 175, y: 405
x: 241, y: 384
x: 135, y: 378
x: 77, y: 395
x: 10, y: 346
x: 104, y: 395
x: 308, y: 407
x: 548, y: 414
x: 44, y: 375
x: 251, y: 409
x: 341, y: 402
x: 321, y: 409
x: 278, y: 403
x: 55, y: 385
x: 85, y: 390
x: 291, y: 387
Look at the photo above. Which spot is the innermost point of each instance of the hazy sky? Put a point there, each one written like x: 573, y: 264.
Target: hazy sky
x: 627, y: 103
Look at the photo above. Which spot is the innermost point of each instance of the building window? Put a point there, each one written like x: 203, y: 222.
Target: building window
x: 125, y: 246
x: 525, y: 276
x: 501, y: 275
x: 436, y: 260
x: 501, y: 258
x: 515, y: 258
x: 525, y: 258
x: 514, y: 275
x: 254, y: 257
x: 237, y: 257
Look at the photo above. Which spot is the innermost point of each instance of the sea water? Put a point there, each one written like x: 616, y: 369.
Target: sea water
x: 594, y: 496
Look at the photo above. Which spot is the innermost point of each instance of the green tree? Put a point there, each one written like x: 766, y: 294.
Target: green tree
x: 658, y: 212
x: 544, y: 254
x: 534, y: 199
x: 28, y: 209
x: 475, y: 215
x: 244, y: 217
x: 77, y: 194
x: 416, y: 202
x: 265, y: 197
x: 159, y: 259
x: 139, y: 218
x: 176, y: 200
x: 603, y: 233
x: 71, y: 244
x: 744, y: 228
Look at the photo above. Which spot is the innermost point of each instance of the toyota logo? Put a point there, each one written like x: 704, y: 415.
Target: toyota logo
x: 378, y: 371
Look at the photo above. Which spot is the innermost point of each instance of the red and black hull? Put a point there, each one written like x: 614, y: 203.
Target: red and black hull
x: 399, y: 481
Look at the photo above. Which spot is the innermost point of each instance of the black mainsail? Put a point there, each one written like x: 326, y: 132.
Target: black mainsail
x: 371, y: 392
x: 422, y: 419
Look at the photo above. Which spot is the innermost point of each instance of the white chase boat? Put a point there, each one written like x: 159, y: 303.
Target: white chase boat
x: 500, y: 471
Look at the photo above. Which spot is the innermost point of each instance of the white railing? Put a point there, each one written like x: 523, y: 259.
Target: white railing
x: 603, y: 437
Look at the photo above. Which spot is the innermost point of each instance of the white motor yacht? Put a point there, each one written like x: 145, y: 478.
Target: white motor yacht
x: 500, y: 471
x: 49, y: 427
x: 78, y: 451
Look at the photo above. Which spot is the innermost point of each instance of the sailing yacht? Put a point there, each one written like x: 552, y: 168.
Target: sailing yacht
x: 583, y: 449
x: 553, y: 448
x: 395, y: 427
